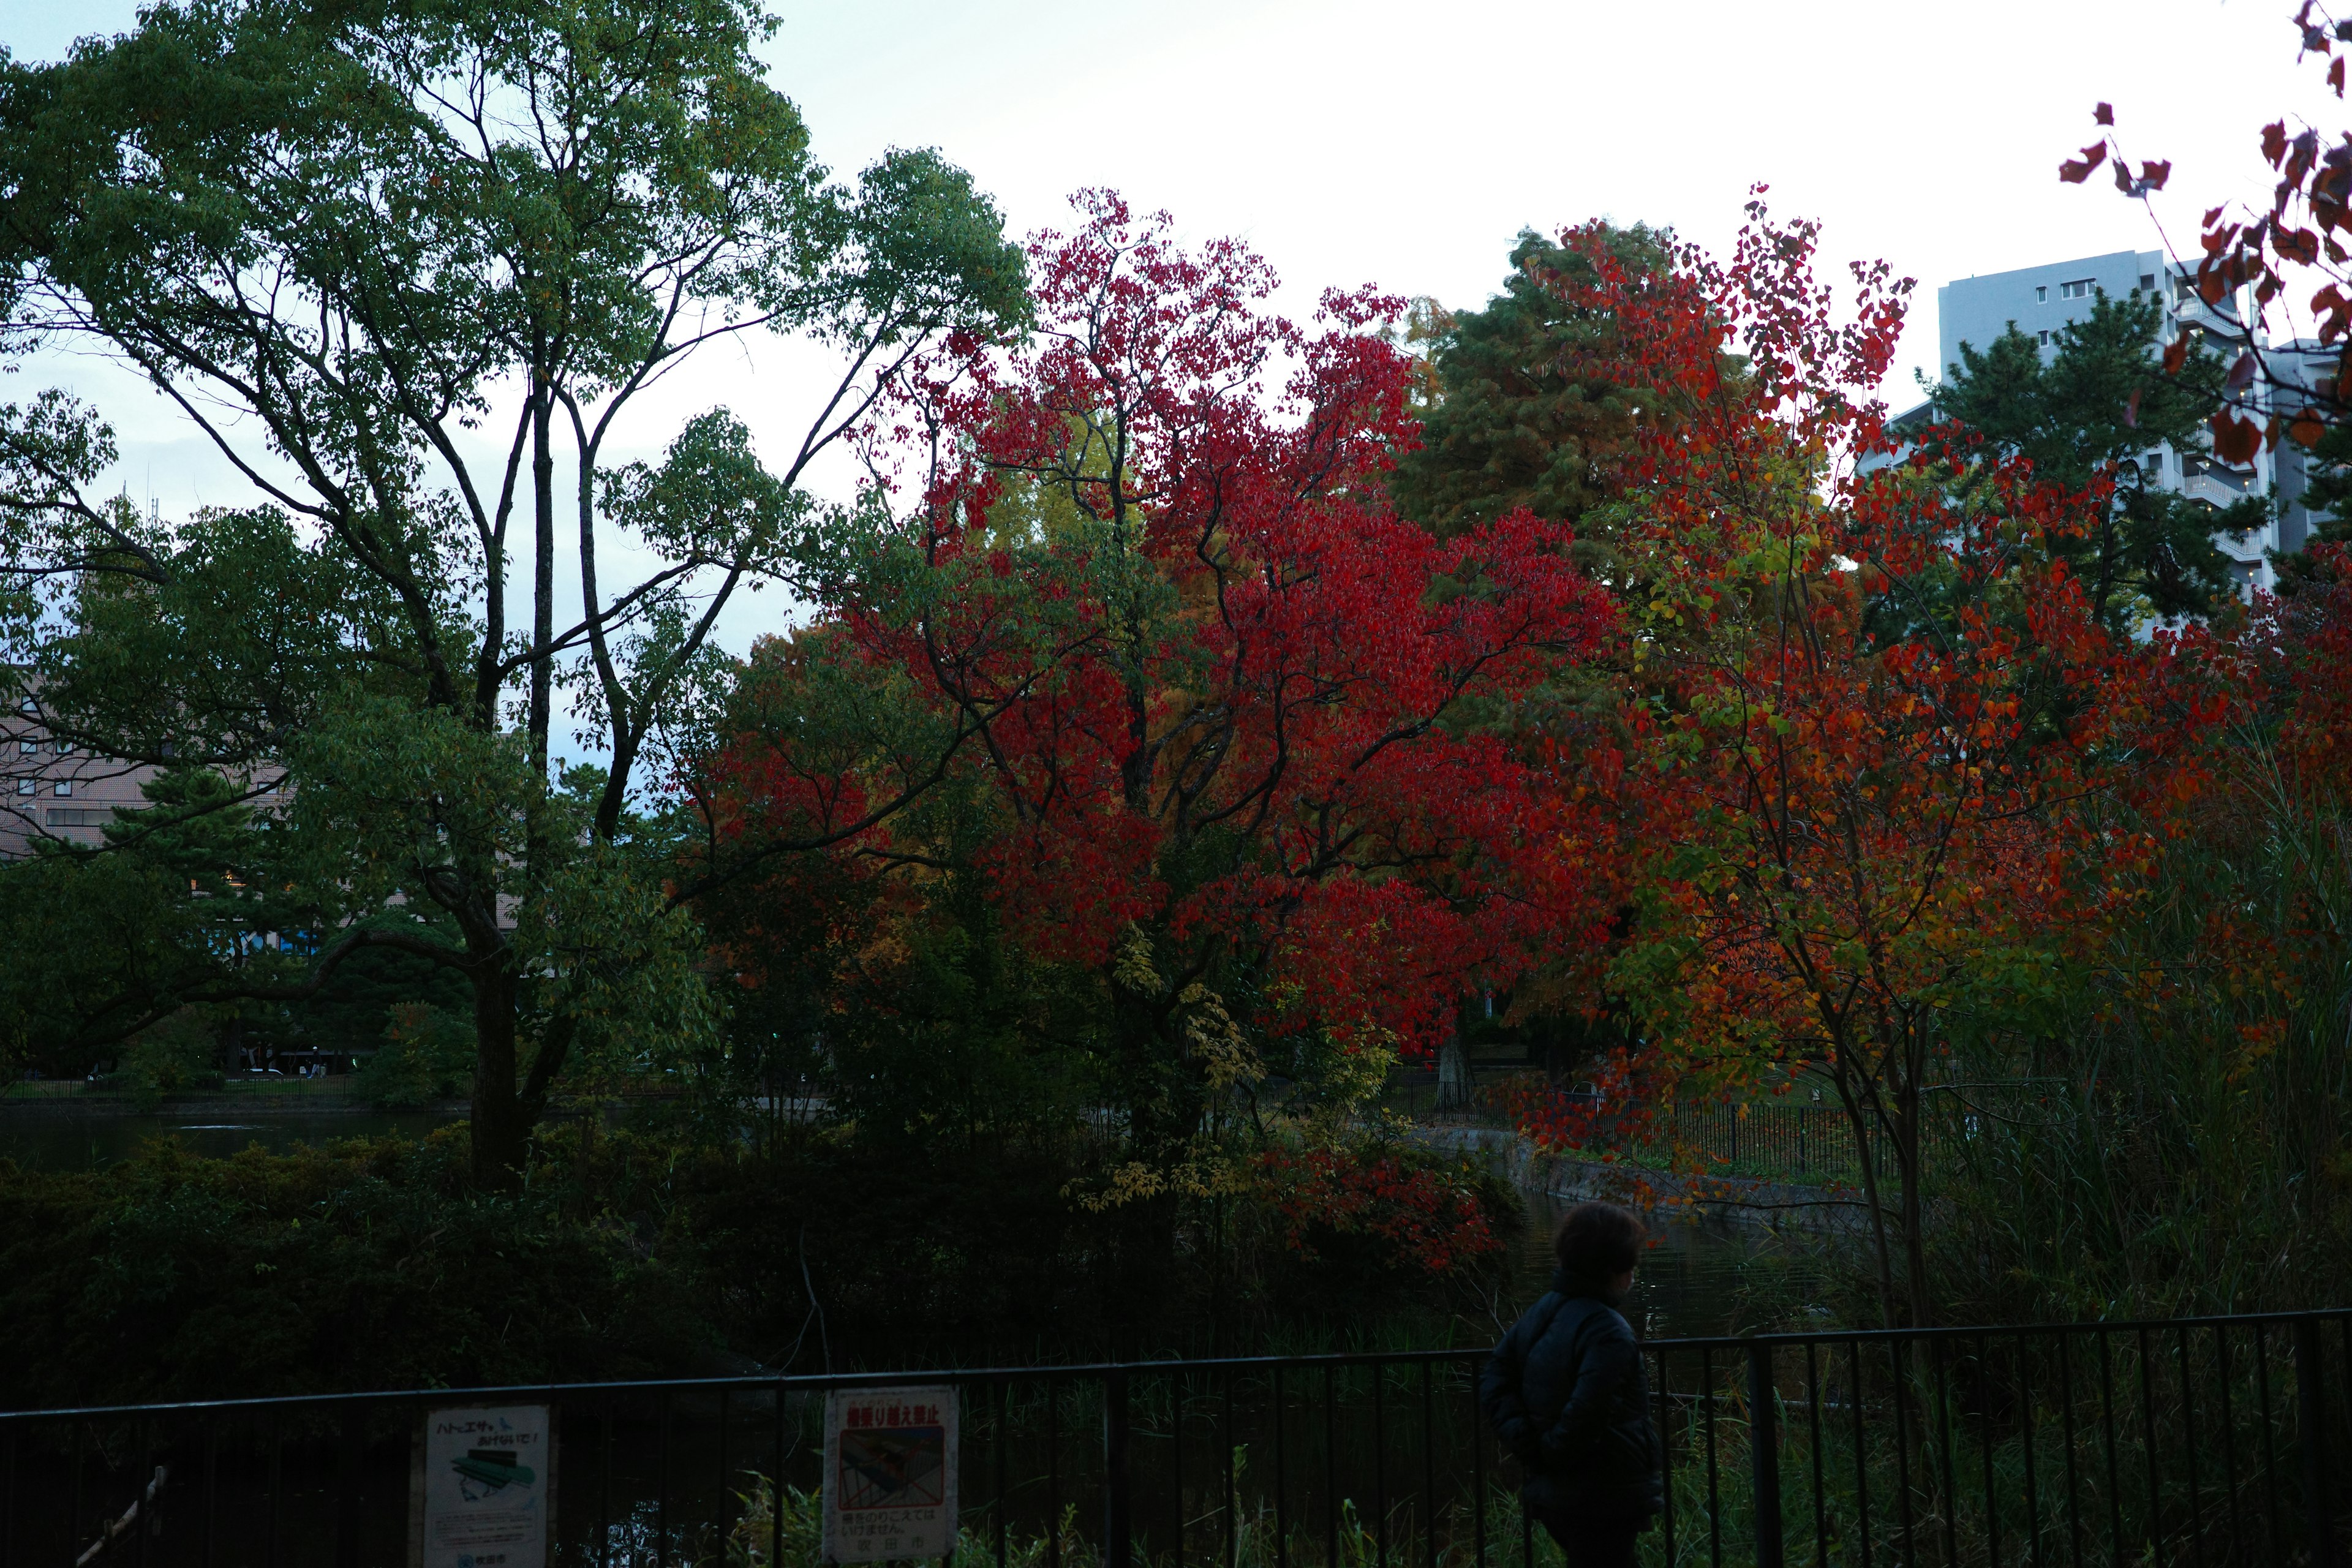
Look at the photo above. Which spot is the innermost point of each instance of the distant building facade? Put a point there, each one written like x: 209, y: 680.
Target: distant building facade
x: 2042, y: 300
x: 51, y: 789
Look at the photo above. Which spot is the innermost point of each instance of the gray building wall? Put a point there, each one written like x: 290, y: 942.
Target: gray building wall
x: 1976, y: 311
x: 2040, y: 300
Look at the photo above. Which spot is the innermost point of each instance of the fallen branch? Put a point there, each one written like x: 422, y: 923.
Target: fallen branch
x: 117, y: 1529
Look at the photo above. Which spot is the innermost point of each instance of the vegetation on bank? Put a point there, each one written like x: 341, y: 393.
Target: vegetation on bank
x: 376, y: 1263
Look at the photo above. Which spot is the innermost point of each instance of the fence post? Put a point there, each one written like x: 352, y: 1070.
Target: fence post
x: 349, y: 1464
x: 1117, y: 1526
x: 1764, y: 1454
x: 2311, y: 1427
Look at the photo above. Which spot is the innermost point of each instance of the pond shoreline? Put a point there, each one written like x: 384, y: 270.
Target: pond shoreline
x: 93, y: 1107
x: 1741, y: 1200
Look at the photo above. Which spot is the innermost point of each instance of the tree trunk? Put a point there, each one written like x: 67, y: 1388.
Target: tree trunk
x: 1907, y: 1151
x: 540, y: 719
x: 501, y: 1131
x: 1859, y: 1118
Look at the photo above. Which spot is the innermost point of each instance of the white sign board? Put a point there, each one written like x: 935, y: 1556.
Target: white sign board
x: 484, y: 1489
x: 889, y: 1474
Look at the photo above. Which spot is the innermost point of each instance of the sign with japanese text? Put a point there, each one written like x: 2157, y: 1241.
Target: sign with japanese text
x: 889, y: 1474
x: 483, y: 1488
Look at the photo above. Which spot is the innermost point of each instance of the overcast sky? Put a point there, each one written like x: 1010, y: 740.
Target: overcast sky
x: 1369, y: 141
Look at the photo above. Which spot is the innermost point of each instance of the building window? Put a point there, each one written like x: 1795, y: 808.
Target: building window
x: 27, y: 748
x: 2078, y: 290
x: 2041, y: 295
x: 63, y: 786
x: 2147, y: 282
x: 2156, y: 462
x: 2045, y: 340
x: 64, y: 748
x: 26, y: 787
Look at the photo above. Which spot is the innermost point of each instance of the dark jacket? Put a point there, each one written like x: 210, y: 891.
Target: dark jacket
x: 1565, y: 1392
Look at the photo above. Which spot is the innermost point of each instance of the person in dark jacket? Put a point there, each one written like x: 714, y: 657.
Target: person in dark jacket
x: 1566, y: 1393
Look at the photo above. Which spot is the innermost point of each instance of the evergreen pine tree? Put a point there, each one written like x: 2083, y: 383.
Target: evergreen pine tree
x: 1504, y: 424
x: 2100, y: 406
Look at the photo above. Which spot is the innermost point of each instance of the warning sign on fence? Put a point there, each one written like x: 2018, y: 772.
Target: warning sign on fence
x: 483, y: 1488
x: 889, y: 1474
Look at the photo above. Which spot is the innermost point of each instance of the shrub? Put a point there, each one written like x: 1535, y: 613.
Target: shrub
x: 170, y: 1058
x: 427, y: 1055
x: 366, y: 1264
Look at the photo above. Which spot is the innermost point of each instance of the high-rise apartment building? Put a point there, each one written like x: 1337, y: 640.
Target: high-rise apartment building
x: 2040, y: 300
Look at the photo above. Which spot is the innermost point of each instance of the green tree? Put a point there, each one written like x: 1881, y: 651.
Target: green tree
x: 389, y: 259
x: 2328, y: 496
x: 2096, y: 410
x: 1517, y: 409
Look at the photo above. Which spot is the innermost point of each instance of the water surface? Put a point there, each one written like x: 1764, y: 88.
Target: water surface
x: 41, y: 1137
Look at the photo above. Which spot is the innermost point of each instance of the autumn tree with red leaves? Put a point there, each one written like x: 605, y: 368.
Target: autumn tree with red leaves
x: 1867, y: 696
x: 1140, y: 605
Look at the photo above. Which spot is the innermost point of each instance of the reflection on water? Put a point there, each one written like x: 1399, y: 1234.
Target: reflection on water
x: 40, y: 1138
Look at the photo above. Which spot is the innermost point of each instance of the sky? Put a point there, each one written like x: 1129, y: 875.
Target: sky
x: 1364, y: 141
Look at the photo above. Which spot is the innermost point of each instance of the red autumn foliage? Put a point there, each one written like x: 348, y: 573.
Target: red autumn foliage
x: 1212, y: 690
x: 1431, y: 1222
x: 1870, y: 705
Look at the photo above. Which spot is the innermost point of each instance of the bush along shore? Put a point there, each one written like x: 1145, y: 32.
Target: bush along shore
x: 376, y: 1263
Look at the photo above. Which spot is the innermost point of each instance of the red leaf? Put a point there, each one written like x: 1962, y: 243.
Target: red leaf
x: 2212, y: 215
x: 2242, y: 374
x: 2105, y: 115
x: 2235, y: 440
x: 2076, y: 171
x: 2273, y: 149
x: 2153, y: 175
x: 2131, y: 410
x: 2336, y: 76
x: 2176, y: 356
x: 2307, y: 428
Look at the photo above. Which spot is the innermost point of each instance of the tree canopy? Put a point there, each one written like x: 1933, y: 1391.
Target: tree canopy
x: 1509, y: 420
x: 388, y: 258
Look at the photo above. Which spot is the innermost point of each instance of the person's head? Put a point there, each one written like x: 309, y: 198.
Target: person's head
x: 1598, y: 1246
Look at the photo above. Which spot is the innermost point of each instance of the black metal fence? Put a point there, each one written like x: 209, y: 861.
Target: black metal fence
x: 2196, y: 1442
x: 1775, y: 1140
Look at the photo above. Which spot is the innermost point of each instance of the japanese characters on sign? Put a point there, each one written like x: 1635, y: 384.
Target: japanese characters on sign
x: 889, y: 1474
x: 483, y: 1488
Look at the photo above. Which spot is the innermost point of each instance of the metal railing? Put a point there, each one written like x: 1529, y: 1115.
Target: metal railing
x: 1768, y: 1139
x: 2199, y: 1442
